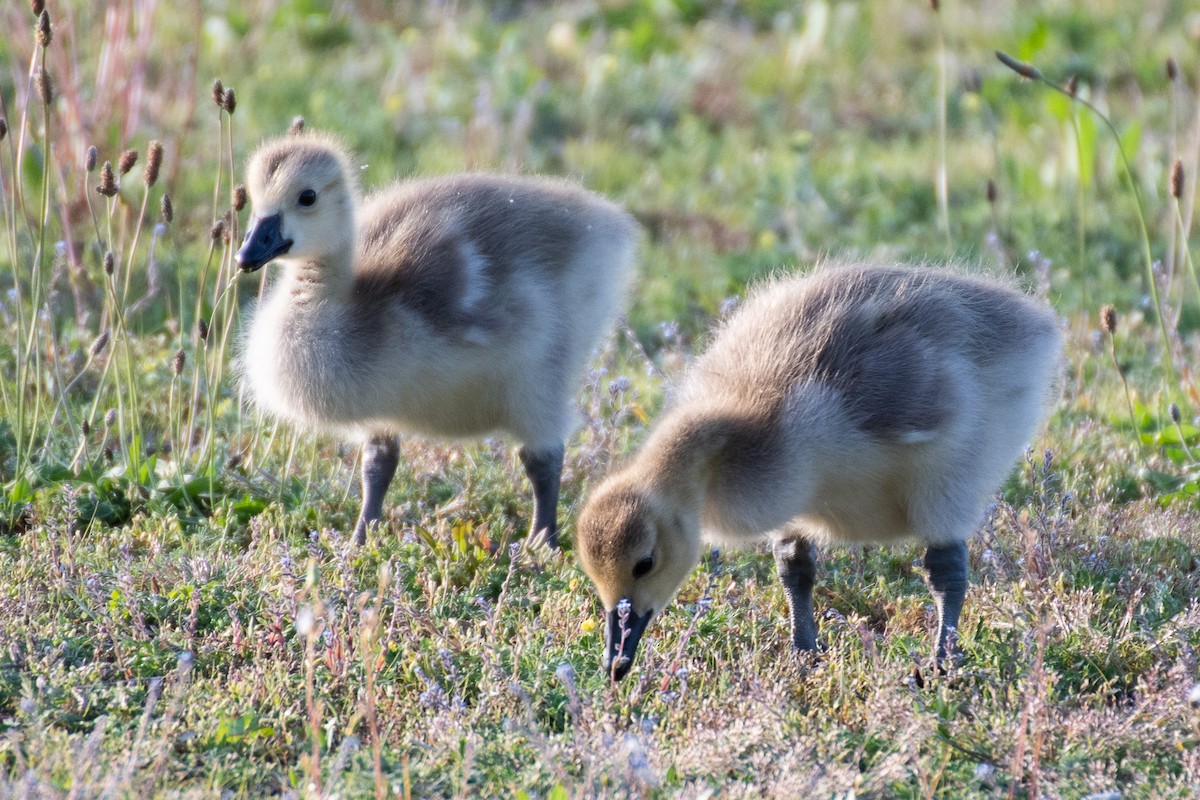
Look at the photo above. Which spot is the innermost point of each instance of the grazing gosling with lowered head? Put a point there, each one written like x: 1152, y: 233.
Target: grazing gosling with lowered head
x: 860, y: 404
x: 451, y: 307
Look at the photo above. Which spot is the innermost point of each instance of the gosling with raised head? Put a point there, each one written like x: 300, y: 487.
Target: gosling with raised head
x: 860, y: 404
x: 452, y: 307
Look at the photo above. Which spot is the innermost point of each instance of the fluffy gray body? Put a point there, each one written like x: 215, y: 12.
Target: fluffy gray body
x: 450, y: 307
x: 473, y: 304
x: 875, y: 404
x: 864, y: 403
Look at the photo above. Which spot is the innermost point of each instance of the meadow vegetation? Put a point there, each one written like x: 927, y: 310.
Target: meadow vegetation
x: 182, y: 611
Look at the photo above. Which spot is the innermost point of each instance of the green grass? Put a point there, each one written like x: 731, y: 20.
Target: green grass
x: 183, y: 613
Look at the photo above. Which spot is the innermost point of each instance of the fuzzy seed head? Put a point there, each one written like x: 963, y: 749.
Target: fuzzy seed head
x: 178, y: 361
x: 1177, y: 179
x: 218, y: 93
x: 229, y: 101
x: 1027, y: 71
x: 297, y: 126
x: 110, y: 262
x: 3, y: 128
x: 89, y: 160
x: 202, y: 330
x: 239, y: 197
x: 217, y: 232
x: 110, y: 417
x: 154, y: 157
x: 108, y: 180
x: 1108, y: 319
x: 45, y: 86
x: 99, y: 344
x: 86, y: 427
x: 1172, y: 70
x: 935, y: 5
x: 44, y: 34
x: 991, y: 191
x: 167, y: 208
x: 1176, y: 414
x: 37, y: 7
x: 108, y: 454
x: 126, y: 161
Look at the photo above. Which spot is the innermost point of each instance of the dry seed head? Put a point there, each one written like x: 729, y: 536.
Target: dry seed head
x: 37, y: 7
x: 89, y: 160
x: 110, y: 417
x: 110, y: 262
x: 217, y: 232
x: 154, y: 157
x: 44, y: 35
x: 86, y: 427
x: 202, y: 330
x: 991, y: 191
x: 45, y: 86
x: 3, y: 128
x: 239, y: 197
x: 127, y: 160
x: 99, y: 344
x: 1108, y: 319
x: 1176, y: 414
x: 229, y: 101
x: 1020, y: 67
x: 168, y: 209
x: 936, y: 5
x: 218, y: 93
x: 297, y: 126
x: 178, y: 361
x: 108, y: 454
x: 108, y: 180
x: 1172, y: 70
x: 1072, y: 85
x: 1177, y: 179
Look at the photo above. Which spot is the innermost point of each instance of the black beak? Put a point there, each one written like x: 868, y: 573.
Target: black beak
x: 622, y: 641
x: 263, y: 242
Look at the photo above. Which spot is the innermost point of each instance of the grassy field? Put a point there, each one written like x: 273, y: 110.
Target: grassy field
x: 183, y: 612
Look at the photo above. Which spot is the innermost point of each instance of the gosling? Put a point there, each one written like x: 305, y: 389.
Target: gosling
x: 861, y: 404
x: 449, y: 307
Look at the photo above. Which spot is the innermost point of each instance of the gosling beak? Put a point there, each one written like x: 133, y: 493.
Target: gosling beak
x: 622, y: 641
x: 264, y: 241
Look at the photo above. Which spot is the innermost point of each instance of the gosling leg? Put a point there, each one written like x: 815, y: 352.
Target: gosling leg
x: 380, y: 457
x: 796, y: 565
x: 948, y: 580
x: 544, y: 469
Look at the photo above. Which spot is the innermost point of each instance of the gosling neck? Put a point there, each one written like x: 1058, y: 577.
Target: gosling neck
x: 316, y: 279
x: 685, y: 452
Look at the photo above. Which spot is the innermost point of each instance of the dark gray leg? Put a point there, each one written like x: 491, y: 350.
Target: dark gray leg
x: 380, y: 457
x: 545, y: 472
x: 948, y: 580
x: 796, y: 565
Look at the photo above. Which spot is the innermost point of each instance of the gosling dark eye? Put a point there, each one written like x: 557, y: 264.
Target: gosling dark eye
x: 307, y: 198
x: 642, y: 567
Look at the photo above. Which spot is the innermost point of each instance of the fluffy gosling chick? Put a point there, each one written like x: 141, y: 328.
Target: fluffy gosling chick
x: 450, y: 307
x: 860, y: 404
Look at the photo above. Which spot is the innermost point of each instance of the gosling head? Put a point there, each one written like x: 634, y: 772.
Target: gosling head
x: 302, y: 193
x: 638, y: 551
